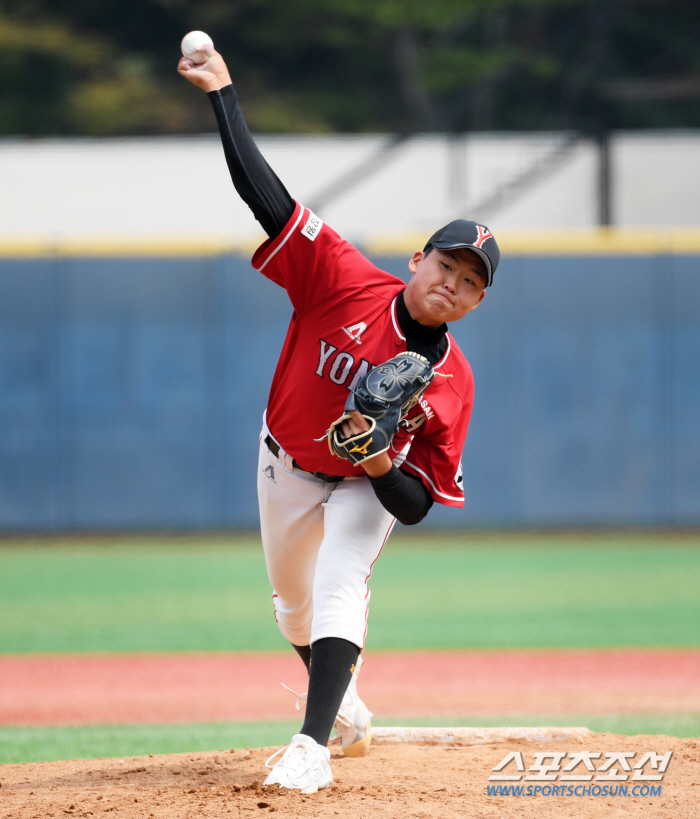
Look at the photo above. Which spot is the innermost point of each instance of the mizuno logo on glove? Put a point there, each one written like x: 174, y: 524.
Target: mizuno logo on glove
x: 362, y: 450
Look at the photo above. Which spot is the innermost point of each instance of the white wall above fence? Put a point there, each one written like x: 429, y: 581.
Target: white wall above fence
x: 176, y: 188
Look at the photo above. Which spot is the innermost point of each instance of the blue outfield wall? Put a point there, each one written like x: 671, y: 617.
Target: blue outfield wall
x: 131, y: 392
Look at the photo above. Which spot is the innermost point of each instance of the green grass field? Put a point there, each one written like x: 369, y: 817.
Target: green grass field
x: 203, y: 594
x: 44, y: 744
x: 212, y: 594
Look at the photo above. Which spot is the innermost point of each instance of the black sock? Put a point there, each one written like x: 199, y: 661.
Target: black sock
x: 305, y: 653
x: 332, y: 663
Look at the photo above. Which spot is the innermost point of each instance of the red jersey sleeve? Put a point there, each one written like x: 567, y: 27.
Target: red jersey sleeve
x: 435, y: 455
x: 310, y: 260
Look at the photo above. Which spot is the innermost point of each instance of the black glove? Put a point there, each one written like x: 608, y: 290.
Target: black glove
x: 384, y: 396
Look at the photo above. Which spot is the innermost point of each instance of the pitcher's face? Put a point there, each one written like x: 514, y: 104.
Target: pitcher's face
x: 445, y: 286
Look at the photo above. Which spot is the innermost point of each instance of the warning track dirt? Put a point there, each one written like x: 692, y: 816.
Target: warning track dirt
x: 143, y: 688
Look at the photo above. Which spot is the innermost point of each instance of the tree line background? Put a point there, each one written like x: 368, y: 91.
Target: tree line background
x: 107, y: 67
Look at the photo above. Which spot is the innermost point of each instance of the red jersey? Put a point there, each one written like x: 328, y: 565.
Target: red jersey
x: 344, y: 323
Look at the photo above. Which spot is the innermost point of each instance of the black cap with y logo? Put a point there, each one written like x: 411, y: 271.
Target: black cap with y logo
x: 477, y: 238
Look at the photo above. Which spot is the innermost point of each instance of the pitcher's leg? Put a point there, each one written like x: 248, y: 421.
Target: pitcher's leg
x: 333, y: 661
x: 291, y: 524
x: 356, y: 527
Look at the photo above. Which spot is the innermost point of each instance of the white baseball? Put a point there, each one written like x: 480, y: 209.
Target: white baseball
x: 196, y: 46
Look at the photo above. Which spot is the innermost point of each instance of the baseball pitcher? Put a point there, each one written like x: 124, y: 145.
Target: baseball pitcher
x: 365, y: 423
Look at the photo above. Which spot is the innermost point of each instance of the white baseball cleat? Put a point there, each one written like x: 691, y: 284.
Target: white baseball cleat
x: 353, y: 725
x: 304, y: 766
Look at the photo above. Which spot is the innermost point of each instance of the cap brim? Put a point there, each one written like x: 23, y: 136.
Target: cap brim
x: 479, y: 252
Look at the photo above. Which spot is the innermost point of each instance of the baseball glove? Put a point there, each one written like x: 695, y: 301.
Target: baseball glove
x: 384, y: 396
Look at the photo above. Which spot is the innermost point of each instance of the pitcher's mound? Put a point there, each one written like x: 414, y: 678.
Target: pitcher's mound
x: 394, y: 780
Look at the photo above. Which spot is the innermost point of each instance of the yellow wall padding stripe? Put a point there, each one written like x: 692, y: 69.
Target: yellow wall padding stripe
x: 600, y: 242
x: 124, y: 248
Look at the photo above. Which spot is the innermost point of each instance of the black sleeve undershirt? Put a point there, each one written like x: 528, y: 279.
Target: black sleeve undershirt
x: 403, y: 496
x: 255, y: 181
x: 400, y: 494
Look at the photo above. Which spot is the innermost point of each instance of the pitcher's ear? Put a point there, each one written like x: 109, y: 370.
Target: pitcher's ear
x: 415, y: 260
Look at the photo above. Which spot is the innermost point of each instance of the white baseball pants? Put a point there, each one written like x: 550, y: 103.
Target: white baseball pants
x: 320, y: 541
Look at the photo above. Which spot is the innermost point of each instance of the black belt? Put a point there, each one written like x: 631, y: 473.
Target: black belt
x: 274, y: 448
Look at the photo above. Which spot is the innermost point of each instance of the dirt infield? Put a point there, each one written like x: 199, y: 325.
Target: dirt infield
x: 393, y: 781
x: 113, y: 689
